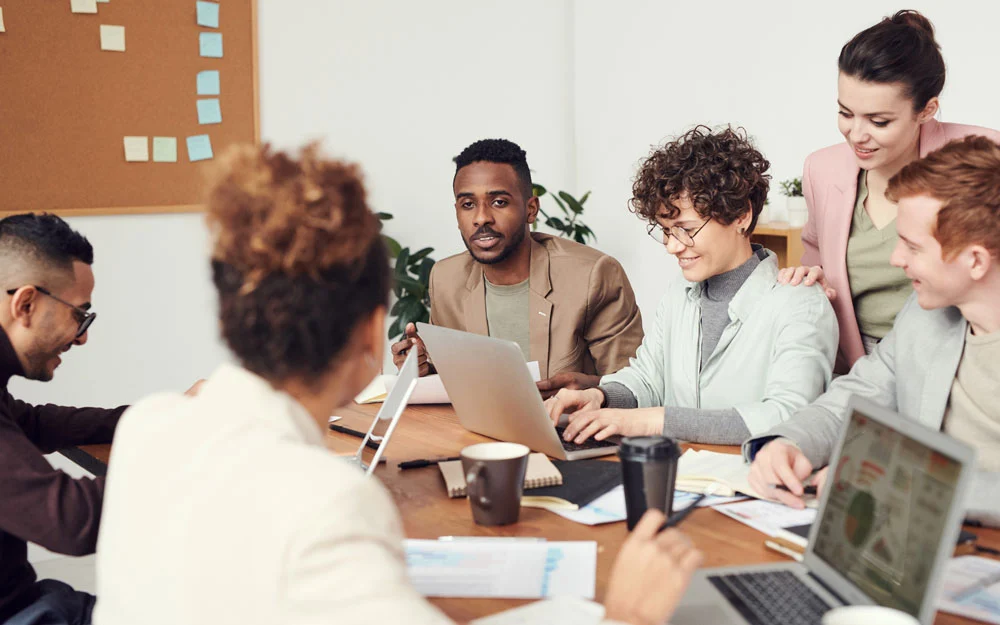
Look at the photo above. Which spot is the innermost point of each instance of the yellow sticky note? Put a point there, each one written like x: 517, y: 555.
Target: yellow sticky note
x: 83, y: 6
x: 3, y: 28
x: 113, y: 38
x: 136, y: 149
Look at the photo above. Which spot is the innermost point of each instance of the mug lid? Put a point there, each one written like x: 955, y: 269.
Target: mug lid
x: 651, y: 447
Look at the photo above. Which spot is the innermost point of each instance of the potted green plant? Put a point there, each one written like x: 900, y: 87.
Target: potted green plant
x: 798, y: 212
x: 411, y: 280
x: 569, y: 225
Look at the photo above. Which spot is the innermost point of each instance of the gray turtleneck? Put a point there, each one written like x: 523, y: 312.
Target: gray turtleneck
x: 722, y: 426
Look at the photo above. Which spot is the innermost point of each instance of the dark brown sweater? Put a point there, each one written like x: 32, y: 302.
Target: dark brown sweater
x: 38, y: 503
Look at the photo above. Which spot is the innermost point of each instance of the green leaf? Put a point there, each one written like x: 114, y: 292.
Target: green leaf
x: 416, y: 257
x: 572, y: 202
x: 411, y: 286
x: 555, y: 222
x: 424, y: 273
x: 583, y: 200
x: 561, y: 205
x: 395, y: 330
x: 384, y: 216
x: 400, y: 304
x: 410, y: 312
x: 392, y: 244
x: 401, y: 259
x: 538, y: 190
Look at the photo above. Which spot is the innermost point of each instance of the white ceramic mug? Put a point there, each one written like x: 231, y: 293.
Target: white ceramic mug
x: 867, y: 615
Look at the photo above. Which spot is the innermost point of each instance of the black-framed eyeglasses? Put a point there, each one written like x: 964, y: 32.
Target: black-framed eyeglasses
x: 84, y: 317
x: 659, y: 234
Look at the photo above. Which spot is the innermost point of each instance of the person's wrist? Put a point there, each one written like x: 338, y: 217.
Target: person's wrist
x: 600, y: 396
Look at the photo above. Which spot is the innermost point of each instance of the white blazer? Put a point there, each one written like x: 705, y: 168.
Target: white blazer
x: 226, y: 508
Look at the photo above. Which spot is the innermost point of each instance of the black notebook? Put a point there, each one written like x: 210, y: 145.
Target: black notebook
x: 582, y: 482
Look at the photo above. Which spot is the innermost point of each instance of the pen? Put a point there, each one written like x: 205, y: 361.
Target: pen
x: 417, y: 464
x: 676, y: 518
x: 350, y: 432
x: 806, y: 490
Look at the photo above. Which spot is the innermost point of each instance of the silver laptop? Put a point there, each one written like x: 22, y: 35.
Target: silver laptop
x: 493, y: 393
x: 886, y: 527
x: 390, y: 412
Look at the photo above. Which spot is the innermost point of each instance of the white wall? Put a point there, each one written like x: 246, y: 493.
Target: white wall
x: 649, y: 70
x: 584, y: 86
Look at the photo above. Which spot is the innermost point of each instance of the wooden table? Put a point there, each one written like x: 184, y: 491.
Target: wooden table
x: 427, y: 512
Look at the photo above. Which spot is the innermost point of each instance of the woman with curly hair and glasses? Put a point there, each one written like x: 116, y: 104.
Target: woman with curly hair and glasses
x: 226, y: 507
x: 731, y: 352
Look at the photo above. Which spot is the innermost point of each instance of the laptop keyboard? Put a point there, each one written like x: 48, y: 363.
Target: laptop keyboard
x: 771, y: 598
x: 590, y: 443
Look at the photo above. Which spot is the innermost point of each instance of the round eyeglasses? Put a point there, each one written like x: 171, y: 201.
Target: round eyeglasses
x: 685, y: 235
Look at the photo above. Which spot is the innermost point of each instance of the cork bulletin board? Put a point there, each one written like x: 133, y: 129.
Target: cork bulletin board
x: 71, y: 113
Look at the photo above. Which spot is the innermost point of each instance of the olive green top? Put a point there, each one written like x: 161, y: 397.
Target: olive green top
x: 878, y: 289
x: 507, y: 310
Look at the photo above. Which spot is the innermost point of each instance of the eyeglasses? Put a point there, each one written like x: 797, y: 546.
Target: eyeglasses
x: 84, y: 317
x: 659, y: 234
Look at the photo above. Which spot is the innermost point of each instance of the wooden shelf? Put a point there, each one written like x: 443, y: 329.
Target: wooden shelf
x: 782, y: 239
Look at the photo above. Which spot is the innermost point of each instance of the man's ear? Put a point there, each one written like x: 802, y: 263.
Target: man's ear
x: 24, y: 305
x: 532, y: 209
x: 980, y: 261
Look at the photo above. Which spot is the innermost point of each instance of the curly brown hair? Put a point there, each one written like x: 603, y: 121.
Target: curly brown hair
x: 297, y: 258
x: 721, y: 171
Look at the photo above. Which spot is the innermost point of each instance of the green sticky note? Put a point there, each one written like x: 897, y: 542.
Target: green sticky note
x: 209, y: 111
x: 208, y: 14
x: 199, y: 148
x: 208, y: 82
x: 210, y: 45
x: 164, y: 149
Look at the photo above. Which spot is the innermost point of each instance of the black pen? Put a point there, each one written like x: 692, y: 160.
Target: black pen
x: 676, y: 518
x: 417, y: 464
x: 806, y: 490
x: 339, y: 428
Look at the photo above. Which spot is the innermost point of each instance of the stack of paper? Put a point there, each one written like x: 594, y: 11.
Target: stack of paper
x: 610, y: 507
x: 972, y: 588
x: 497, y: 567
x: 767, y: 516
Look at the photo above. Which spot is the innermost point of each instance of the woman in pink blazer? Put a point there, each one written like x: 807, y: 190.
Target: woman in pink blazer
x: 890, y: 77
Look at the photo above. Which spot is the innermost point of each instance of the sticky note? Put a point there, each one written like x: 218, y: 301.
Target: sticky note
x: 210, y: 45
x: 113, y: 38
x: 3, y: 28
x: 136, y: 149
x: 83, y: 6
x: 164, y: 149
x: 208, y: 82
x: 199, y: 148
x: 208, y: 14
x: 209, y: 111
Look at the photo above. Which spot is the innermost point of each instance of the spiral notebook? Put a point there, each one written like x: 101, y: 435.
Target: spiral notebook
x: 541, y: 472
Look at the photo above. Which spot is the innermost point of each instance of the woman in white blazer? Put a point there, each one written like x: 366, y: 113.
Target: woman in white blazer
x: 226, y: 507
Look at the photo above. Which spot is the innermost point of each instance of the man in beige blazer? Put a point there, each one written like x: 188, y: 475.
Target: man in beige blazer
x: 568, y: 306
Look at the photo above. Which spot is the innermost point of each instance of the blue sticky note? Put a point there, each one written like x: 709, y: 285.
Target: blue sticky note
x: 208, y: 14
x: 208, y: 82
x: 209, y: 111
x: 199, y: 148
x: 210, y: 45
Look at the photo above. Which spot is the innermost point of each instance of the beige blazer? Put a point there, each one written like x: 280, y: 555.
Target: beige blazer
x: 226, y: 508
x: 830, y: 186
x: 583, y: 312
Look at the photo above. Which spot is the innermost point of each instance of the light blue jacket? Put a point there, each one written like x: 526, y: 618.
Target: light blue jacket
x: 775, y: 356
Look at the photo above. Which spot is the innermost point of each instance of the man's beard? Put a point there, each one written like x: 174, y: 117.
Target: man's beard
x: 508, y: 249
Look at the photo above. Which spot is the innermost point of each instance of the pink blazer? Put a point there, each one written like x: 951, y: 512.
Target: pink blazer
x: 830, y: 186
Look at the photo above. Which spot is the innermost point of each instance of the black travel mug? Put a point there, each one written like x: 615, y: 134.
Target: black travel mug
x: 649, y: 470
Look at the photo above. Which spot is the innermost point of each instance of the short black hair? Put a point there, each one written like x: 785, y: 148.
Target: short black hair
x: 48, y: 237
x: 899, y: 49
x: 498, y: 151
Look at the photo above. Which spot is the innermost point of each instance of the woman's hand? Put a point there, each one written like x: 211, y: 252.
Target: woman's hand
x: 601, y: 424
x: 807, y: 276
x: 567, y: 401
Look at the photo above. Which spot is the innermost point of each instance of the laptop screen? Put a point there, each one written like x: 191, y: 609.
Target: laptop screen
x: 886, y: 513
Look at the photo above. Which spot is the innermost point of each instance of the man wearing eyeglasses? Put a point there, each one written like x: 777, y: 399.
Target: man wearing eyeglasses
x: 568, y: 306
x: 46, y: 282
x: 731, y: 352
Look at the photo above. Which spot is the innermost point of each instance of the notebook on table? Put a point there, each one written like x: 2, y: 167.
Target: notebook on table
x: 699, y: 469
x: 540, y: 473
x: 583, y: 482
